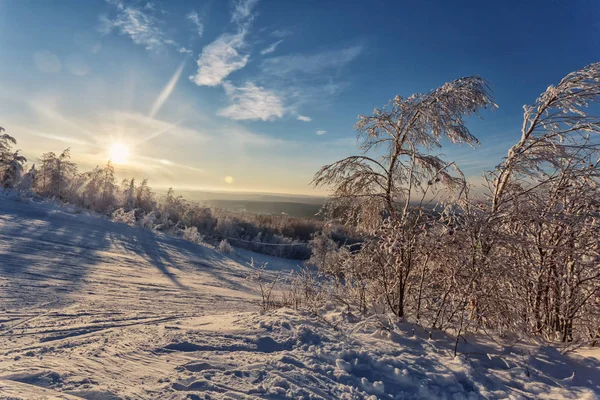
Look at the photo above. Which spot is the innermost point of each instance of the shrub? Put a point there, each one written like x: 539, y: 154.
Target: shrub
x: 225, y: 247
x: 191, y: 233
x: 125, y: 217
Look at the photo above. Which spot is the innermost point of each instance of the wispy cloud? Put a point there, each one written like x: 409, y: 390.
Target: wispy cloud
x: 219, y: 59
x: 195, y: 18
x: 172, y: 164
x: 224, y: 56
x: 280, y: 33
x: 302, y: 79
x: 271, y: 48
x: 321, y: 132
x: 312, y: 63
x: 251, y: 102
x: 139, y: 23
x: 243, y: 11
x: 166, y: 92
x: 60, y: 138
x: 284, y: 85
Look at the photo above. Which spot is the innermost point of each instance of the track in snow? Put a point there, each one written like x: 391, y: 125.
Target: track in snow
x: 70, y: 281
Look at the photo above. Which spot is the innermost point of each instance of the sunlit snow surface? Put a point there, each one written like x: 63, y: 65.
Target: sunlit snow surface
x: 97, y: 310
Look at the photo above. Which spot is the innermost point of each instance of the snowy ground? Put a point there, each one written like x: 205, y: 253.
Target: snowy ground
x: 97, y: 310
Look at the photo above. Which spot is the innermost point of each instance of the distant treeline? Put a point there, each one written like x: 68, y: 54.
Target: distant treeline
x: 293, y: 209
x: 135, y: 203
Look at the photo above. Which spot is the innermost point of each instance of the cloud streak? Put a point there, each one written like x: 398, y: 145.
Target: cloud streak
x: 271, y: 48
x: 166, y: 92
x: 310, y: 64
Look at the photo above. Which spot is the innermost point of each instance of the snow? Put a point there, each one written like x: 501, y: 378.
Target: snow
x: 99, y: 310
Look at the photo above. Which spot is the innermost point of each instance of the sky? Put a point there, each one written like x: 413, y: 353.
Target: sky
x: 257, y: 95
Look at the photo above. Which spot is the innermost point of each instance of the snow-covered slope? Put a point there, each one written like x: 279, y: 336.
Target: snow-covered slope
x: 97, y: 310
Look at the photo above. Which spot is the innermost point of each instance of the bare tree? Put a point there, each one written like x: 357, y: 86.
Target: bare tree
x: 407, y: 129
x: 369, y: 189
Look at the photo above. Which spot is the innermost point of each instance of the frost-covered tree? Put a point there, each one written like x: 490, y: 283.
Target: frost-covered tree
x: 128, y: 193
x: 92, y: 188
x: 544, y: 213
x: 6, y: 143
x: 172, y: 209
x: 144, y: 197
x: 11, y: 163
x: 375, y: 190
x: 555, y: 128
x: 324, y: 253
x: 44, y: 183
x: 28, y: 180
x: 56, y: 173
x: 404, y: 132
x: 107, y: 198
x: 12, y: 170
x: 64, y: 170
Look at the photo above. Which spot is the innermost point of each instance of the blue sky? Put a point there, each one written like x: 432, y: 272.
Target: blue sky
x: 256, y: 95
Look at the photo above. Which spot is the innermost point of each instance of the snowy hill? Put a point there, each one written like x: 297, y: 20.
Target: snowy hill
x: 98, y: 310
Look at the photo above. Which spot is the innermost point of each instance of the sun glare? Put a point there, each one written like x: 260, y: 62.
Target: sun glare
x: 119, y: 153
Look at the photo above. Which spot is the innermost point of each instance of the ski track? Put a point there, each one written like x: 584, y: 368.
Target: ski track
x: 70, y: 284
x: 97, y: 310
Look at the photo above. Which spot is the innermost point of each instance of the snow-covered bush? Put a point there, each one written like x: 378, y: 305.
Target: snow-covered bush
x: 225, y: 248
x: 265, y: 286
x: 324, y: 254
x: 148, y: 221
x: 123, y: 216
x: 191, y: 233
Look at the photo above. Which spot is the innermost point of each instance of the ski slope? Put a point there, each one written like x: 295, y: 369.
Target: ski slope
x: 98, y: 310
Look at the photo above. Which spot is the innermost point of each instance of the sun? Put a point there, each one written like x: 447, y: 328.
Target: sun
x: 119, y: 153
